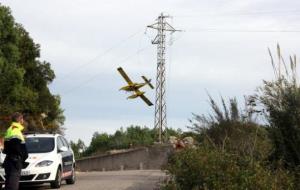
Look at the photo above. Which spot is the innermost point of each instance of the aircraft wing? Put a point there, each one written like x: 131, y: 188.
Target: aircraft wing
x: 125, y: 76
x: 146, y: 100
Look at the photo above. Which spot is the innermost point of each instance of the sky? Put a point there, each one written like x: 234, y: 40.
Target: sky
x: 222, y: 50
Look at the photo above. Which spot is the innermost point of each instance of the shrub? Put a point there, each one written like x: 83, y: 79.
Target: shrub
x: 279, y: 101
x: 206, y: 168
x: 232, y: 130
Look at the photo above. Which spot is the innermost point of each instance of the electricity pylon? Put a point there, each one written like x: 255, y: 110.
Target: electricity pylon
x: 162, y: 27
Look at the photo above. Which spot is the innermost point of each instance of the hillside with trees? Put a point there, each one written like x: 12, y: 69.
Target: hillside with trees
x: 24, y: 79
x: 131, y: 137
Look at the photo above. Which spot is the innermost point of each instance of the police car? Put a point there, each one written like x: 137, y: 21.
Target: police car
x: 51, y: 160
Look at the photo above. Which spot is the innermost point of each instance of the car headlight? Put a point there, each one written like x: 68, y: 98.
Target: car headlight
x: 44, y: 163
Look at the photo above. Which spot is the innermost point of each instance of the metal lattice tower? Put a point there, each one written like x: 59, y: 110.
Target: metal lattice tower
x: 160, y: 121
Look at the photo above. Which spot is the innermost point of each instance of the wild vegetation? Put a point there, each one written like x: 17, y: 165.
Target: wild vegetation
x: 24, y: 79
x: 280, y: 100
x: 131, y: 137
x: 237, y: 151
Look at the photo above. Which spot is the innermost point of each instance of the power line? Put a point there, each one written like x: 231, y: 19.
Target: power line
x: 241, y: 30
x: 94, y: 76
x: 235, y: 13
x: 99, y: 56
x: 262, y: 12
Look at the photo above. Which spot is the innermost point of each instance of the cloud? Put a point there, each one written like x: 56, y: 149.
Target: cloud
x: 85, y: 41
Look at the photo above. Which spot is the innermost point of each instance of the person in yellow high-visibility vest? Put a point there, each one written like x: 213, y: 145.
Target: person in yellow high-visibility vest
x: 16, y: 152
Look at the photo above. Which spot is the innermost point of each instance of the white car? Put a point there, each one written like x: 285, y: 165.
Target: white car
x: 50, y: 160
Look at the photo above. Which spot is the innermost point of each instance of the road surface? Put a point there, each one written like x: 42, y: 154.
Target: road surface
x: 112, y: 180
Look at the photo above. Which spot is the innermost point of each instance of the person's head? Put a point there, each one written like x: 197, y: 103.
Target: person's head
x: 17, y: 117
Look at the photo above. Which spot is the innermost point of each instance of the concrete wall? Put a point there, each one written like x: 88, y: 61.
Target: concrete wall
x: 141, y: 158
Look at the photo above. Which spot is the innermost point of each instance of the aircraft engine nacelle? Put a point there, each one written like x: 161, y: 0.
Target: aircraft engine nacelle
x: 132, y: 96
x: 137, y: 94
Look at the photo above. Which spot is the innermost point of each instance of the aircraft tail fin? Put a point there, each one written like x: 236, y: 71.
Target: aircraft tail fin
x: 148, y: 81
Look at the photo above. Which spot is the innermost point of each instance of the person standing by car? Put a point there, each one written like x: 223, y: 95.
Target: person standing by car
x: 16, y: 152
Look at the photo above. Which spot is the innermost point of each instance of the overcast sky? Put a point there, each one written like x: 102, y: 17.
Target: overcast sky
x: 222, y: 50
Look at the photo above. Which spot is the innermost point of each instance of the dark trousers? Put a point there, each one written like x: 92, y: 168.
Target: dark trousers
x: 12, y: 168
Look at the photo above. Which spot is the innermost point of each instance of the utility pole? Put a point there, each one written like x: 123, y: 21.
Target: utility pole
x: 160, y: 120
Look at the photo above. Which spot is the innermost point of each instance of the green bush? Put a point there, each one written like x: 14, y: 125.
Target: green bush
x: 230, y: 129
x: 206, y: 168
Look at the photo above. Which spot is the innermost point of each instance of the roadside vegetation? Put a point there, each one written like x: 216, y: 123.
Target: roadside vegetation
x: 256, y: 147
x: 24, y: 79
x: 236, y: 150
x: 131, y: 137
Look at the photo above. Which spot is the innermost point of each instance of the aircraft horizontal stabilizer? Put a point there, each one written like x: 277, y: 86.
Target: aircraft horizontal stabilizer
x: 148, y: 82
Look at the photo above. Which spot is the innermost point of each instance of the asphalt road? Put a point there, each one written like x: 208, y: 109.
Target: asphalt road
x: 112, y: 180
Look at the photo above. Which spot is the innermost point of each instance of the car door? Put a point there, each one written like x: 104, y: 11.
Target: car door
x: 66, y: 155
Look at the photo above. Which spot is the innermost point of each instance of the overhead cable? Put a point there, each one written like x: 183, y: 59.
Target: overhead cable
x: 100, y: 55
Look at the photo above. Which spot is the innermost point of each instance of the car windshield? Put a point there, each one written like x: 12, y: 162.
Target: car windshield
x: 39, y: 144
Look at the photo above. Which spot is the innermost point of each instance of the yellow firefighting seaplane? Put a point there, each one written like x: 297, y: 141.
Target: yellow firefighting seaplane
x: 134, y: 87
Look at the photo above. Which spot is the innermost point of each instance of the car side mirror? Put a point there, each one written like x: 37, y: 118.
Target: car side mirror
x: 63, y: 149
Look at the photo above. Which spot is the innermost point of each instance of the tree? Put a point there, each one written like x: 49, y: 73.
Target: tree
x: 99, y: 143
x: 279, y: 102
x: 119, y: 140
x: 139, y: 136
x: 133, y: 136
x: 11, y: 76
x: 78, y: 148
x: 24, y: 79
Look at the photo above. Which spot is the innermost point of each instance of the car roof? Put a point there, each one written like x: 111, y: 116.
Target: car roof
x: 42, y: 135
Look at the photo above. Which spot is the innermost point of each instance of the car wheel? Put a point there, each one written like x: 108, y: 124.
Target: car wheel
x: 73, y: 177
x: 57, y: 183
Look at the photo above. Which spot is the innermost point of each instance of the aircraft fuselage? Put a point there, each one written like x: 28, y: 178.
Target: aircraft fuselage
x: 133, y: 87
